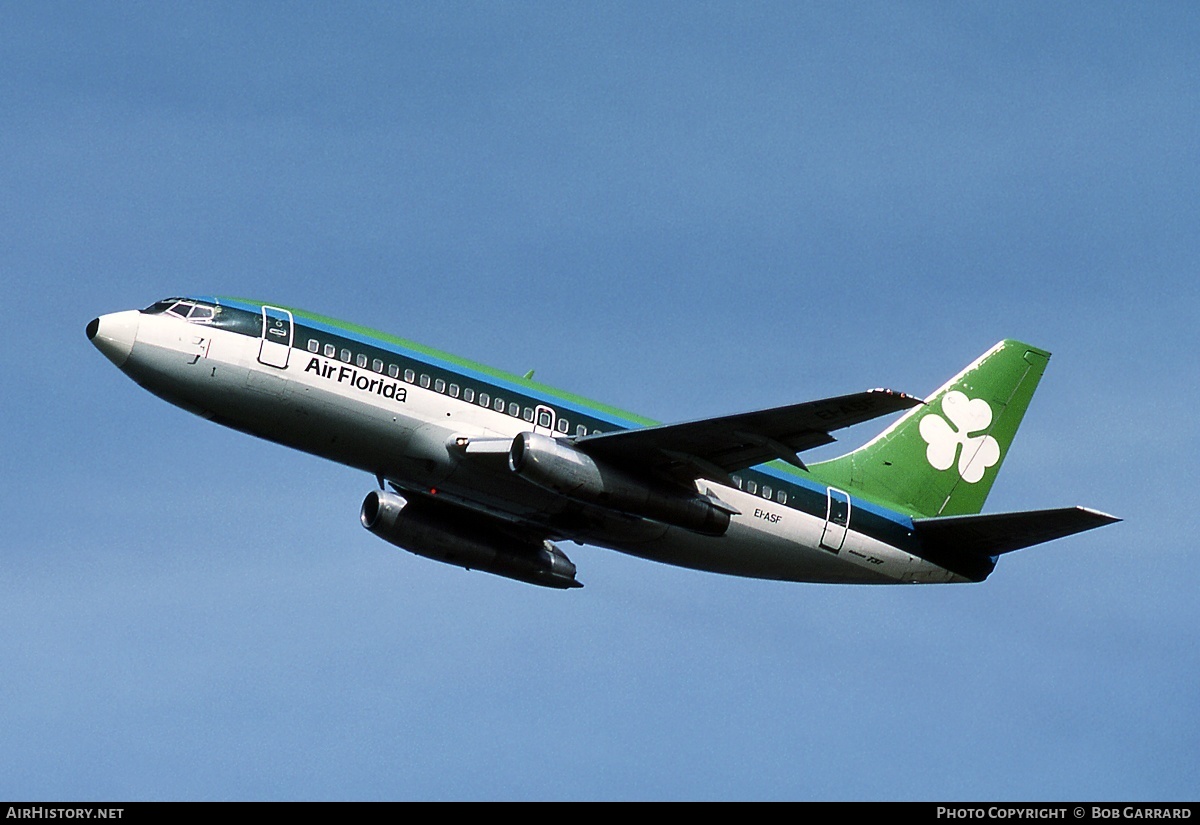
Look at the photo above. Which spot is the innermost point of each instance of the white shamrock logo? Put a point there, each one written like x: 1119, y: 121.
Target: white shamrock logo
x: 968, y: 415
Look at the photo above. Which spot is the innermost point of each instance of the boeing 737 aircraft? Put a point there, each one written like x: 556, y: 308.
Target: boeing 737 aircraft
x: 487, y: 470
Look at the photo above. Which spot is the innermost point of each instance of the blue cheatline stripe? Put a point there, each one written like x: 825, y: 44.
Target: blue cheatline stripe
x: 510, y: 383
x: 817, y: 487
x: 532, y: 389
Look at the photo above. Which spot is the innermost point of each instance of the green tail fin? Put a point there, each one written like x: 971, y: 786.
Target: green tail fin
x: 941, y: 459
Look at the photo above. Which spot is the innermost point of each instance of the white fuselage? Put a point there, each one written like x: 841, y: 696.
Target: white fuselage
x: 405, y: 428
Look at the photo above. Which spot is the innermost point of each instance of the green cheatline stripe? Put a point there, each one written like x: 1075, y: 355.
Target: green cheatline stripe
x: 520, y: 381
x: 797, y: 476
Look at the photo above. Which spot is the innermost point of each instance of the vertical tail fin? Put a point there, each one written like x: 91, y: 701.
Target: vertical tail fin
x: 941, y: 459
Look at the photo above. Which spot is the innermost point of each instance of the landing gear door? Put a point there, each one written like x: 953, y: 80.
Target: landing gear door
x: 276, y: 345
x: 837, y: 520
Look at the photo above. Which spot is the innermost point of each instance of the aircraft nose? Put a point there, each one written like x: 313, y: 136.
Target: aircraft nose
x: 114, y: 334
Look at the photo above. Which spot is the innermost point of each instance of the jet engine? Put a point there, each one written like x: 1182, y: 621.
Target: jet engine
x: 560, y: 468
x: 457, y: 536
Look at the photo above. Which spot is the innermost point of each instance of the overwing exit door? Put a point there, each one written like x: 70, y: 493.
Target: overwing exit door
x: 543, y: 420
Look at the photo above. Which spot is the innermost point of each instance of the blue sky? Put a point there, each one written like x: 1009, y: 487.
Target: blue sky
x: 679, y: 209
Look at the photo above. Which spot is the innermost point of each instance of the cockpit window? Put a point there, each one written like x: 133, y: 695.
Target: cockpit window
x: 194, y: 311
x: 208, y: 313
x: 171, y: 306
x: 159, y: 307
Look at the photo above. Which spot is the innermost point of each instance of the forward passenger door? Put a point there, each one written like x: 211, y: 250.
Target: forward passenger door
x: 276, y: 345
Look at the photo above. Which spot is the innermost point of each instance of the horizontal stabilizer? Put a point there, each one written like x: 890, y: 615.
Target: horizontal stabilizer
x: 992, y: 534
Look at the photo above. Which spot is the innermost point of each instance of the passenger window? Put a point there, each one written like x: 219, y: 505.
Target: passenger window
x: 580, y: 431
x: 738, y: 481
x: 424, y: 380
x: 313, y: 345
x: 563, y: 425
x: 766, y: 491
x: 330, y: 350
x: 377, y: 365
x: 484, y: 399
x: 410, y: 376
x: 393, y: 371
x: 781, y: 497
x: 751, y: 487
x: 454, y: 390
x: 345, y: 355
x: 439, y: 385
x: 361, y: 360
x: 544, y: 418
x: 468, y: 394
x: 499, y: 405
x: 514, y: 409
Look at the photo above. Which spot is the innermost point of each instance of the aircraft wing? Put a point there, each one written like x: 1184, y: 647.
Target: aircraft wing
x: 715, y: 447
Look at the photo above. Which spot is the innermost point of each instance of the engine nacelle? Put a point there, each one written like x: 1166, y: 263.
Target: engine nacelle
x: 560, y: 468
x: 464, y: 541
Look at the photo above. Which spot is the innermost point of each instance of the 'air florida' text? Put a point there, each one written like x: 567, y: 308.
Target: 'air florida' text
x: 365, y: 381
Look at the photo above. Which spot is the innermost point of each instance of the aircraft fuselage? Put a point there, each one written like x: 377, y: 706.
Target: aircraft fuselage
x: 439, y: 427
